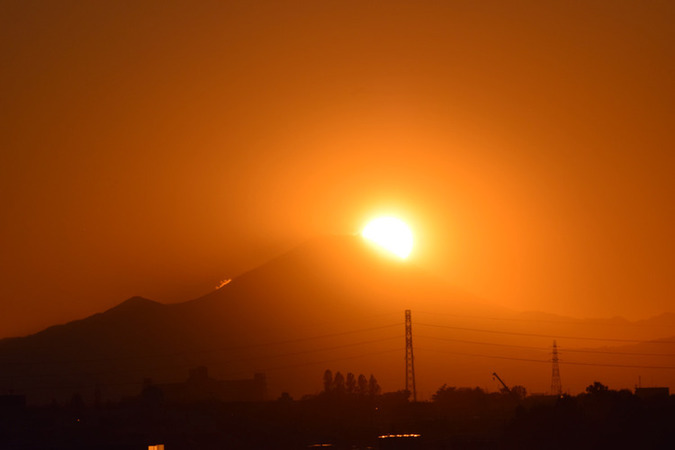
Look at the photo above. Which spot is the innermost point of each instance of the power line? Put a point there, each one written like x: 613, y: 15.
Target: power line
x: 463, y: 341
x: 485, y: 356
x: 514, y: 333
x: 304, y: 352
x: 527, y: 347
x: 569, y: 321
x: 199, y: 352
x: 13, y: 340
x: 269, y: 369
x: 363, y: 355
x: 230, y: 361
x: 627, y: 366
x: 548, y: 361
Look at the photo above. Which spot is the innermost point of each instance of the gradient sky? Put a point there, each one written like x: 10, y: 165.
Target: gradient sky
x: 156, y: 148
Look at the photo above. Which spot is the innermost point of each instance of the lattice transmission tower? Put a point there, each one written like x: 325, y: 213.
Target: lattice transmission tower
x: 556, y: 386
x: 409, y: 358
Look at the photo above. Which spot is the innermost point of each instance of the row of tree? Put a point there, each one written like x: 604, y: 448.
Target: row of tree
x: 338, y: 384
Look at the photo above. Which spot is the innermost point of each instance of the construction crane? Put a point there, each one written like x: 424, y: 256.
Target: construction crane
x: 517, y: 394
x: 506, y: 388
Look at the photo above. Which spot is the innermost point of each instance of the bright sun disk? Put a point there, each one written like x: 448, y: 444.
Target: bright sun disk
x: 390, y: 233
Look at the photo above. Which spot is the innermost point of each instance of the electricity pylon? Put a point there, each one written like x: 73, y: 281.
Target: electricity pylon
x: 409, y: 358
x: 556, y: 386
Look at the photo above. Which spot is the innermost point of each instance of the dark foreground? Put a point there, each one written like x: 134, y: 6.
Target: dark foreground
x: 458, y: 419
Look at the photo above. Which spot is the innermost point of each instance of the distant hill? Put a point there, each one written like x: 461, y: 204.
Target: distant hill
x: 335, y: 303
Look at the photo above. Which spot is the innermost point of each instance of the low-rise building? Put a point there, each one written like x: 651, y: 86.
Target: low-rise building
x: 200, y: 387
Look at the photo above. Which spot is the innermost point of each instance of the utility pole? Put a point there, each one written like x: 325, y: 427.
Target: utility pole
x: 556, y: 386
x: 409, y: 359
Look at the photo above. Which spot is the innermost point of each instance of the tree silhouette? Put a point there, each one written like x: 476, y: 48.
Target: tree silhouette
x: 442, y: 393
x: 350, y: 383
x: 373, y: 386
x: 76, y: 402
x: 519, y: 392
x: 327, y: 380
x: 596, y: 388
x: 363, y: 384
x: 339, y: 383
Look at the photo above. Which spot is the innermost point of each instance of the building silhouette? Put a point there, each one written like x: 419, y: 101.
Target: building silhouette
x: 200, y: 387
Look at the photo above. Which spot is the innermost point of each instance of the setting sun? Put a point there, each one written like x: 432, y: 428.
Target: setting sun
x: 391, y: 234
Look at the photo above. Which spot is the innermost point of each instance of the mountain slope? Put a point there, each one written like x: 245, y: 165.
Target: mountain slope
x: 333, y: 303
x: 324, y: 287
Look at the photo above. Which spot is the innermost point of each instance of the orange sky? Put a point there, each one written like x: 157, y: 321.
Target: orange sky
x: 156, y: 148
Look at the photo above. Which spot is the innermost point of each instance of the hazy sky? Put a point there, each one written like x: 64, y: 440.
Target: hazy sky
x: 156, y: 148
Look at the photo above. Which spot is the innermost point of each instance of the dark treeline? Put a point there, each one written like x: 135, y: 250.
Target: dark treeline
x: 353, y: 418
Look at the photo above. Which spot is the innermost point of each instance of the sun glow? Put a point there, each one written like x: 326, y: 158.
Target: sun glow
x: 391, y: 234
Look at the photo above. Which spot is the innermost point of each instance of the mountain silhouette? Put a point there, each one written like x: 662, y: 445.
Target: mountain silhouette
x: 321, y: 288
x: 327, y: 280
x: 335, y: 302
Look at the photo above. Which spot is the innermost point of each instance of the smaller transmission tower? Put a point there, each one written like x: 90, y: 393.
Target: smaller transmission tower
x: 409, y: 359
x: 556, y: 386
